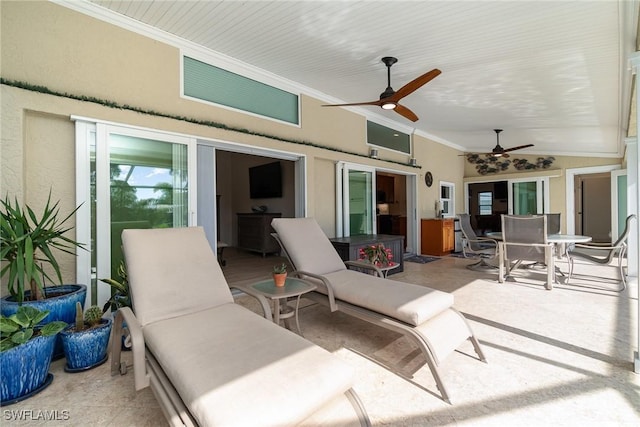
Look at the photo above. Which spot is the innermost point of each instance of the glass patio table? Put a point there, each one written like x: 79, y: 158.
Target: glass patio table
x: 266, y: 290
x: 561, y: 241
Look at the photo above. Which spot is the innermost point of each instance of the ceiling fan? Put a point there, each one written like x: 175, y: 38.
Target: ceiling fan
x: 498, y: 151
x: 390, y: 99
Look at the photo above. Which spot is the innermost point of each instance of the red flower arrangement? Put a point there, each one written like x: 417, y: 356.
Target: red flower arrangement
x: 377, y: 255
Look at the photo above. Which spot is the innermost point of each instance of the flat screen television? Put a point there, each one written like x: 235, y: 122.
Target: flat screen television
x: 265, y: 181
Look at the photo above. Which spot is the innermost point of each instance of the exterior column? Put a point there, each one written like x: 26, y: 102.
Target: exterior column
x: 633, y: 196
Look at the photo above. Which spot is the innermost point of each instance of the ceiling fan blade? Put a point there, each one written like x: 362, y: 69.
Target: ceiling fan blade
x: 517, y: 148
x: 415, y: 84
x: 378, y: 103
x: 406, y: 113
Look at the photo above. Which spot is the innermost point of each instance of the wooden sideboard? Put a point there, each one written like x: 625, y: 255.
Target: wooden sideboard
x: 254, y: 232
x: 348, y: 247
x: 437, y: 236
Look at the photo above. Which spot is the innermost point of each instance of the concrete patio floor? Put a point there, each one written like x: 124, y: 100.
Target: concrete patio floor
x: 555, y: 358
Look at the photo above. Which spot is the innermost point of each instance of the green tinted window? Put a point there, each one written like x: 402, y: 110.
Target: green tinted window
x: 213, y: 84
x: 388, y: 138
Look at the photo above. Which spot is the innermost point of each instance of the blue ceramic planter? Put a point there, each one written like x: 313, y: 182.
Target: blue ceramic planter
x: 60, y: 302
x: 86, y: 349
x: 24, y: 369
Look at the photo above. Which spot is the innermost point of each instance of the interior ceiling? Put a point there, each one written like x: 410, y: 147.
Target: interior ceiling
x: 551, y: 73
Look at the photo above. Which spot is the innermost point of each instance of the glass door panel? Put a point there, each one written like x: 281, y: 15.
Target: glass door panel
x: 148, y: 187
x: 524, y: 199
x: 528, y: 197
x: 356, y: 207
x: 360, y: 204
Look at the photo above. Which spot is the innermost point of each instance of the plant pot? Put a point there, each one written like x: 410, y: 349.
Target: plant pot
x: 60, y: 302
x: 24, y: 370
x: 279, y: 279
x: 86, y: 349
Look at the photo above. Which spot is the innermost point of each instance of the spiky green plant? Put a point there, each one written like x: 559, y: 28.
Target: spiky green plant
x: 280, y: 268
x: 27, y: 243
x: 119, y: 290
x: 91, y: 317
x: 21, y: 327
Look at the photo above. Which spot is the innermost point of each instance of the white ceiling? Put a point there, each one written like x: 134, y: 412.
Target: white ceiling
x: 550, y: 73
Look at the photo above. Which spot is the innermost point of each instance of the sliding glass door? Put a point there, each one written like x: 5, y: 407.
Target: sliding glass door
x: 148, y: 187
x: 132, y: 179
x: 357, y: 198
x: 528, y: 196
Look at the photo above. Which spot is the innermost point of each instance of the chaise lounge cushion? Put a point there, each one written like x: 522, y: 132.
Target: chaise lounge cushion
x: 233, y: 368
x: 412, y: 304
x: 320, y: 257
x: 159, y: 292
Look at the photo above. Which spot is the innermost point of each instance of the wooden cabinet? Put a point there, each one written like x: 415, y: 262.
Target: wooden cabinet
x: 254, y: 232
x: 349, y: 247
x: 437, y: 236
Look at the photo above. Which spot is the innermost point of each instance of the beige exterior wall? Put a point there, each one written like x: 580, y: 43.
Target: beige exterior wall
x: 49, y: 45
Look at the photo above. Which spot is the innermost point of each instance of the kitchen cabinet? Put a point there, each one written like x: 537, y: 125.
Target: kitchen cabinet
x: 437, y: 236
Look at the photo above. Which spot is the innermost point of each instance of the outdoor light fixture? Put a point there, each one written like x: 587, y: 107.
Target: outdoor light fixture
x: 373, y: 153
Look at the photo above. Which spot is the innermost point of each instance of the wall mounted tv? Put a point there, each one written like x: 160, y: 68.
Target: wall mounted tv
x: 265, y: 181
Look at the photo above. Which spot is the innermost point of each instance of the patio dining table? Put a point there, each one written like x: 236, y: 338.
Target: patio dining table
x: 561, y: 241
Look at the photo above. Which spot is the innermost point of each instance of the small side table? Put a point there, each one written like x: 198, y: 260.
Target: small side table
x: 293, y: 288
x: 388, y: 268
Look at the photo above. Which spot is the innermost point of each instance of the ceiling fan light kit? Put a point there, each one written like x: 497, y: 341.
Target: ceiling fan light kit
x: 390, y: 99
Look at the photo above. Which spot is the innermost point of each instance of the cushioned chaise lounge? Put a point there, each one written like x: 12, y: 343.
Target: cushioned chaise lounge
x: 423, y: 314
x: 212, y: 362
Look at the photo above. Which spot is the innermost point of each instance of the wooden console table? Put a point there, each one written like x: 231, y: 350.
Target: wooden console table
x: 348, y: 247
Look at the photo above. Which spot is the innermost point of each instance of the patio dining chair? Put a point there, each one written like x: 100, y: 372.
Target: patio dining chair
x: 603, y: 254
x: 477, y: 247
x: 553, y: 223
x: 524, y: 238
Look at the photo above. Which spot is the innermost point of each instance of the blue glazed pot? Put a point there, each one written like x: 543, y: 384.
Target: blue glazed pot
x: 24, y: 369
x: 60, y: 302
x: 86, y: 349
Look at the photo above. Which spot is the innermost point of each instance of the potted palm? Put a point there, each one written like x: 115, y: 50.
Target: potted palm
x: 85, y: 342
x: 26, y: 347
x: 29, y: 243
x: 119, y: 298
x: 119, y: 291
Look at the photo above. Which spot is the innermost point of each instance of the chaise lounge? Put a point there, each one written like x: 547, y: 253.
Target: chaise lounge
x: 212, y: 362
x: 425, y: 315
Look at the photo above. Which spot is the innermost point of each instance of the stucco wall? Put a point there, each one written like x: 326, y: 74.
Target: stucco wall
x: 67, y: 52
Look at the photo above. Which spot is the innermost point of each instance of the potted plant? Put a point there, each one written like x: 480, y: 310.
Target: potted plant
x: 377, y: 255
x: 119, y: 298
x: 280, y: 274
x: 119, y: 291
x: 85, y: 342
x: 26, y: 347
x: 28, y: 246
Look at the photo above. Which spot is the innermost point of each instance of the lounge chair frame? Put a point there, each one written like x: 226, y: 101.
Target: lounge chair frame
x: 149, y: 373
x: 415, y: 333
